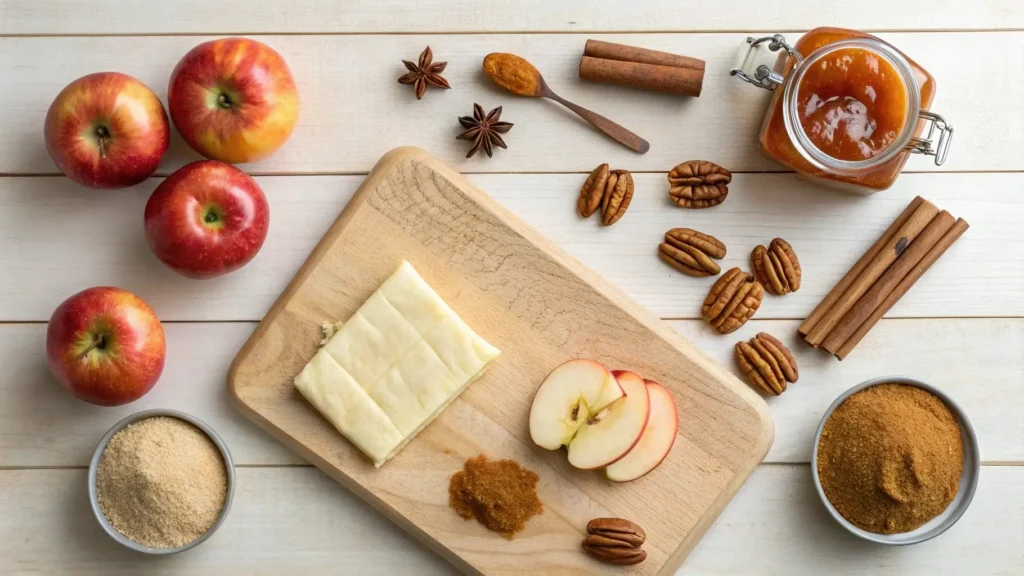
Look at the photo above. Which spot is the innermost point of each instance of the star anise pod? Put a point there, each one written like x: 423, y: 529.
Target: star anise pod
x: 427, y: 71
x: 483, y: 130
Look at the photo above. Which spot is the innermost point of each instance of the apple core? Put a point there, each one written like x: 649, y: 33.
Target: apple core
x: 212, y: 217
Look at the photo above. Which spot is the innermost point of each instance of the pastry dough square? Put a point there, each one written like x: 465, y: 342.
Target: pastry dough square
x: 394, y: 366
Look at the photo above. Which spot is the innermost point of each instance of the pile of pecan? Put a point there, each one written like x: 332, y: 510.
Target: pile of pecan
x: 611, y: 191
x: 615, y: 541
x: 736, y: 295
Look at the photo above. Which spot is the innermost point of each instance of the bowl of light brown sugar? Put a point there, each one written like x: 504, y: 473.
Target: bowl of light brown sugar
x: 161, y: 482
x: 895, y: 461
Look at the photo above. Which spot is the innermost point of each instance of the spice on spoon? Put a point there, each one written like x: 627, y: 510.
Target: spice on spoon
x: 512, y: 73
x: 520, y: 77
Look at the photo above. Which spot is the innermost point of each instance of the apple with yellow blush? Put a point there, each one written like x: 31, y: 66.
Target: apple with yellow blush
x: 106, y: 130
x: 106, y: 346
x: 233, y: 99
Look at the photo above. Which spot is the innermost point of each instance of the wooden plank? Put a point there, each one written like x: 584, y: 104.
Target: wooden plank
x: 42, y: 425
x: 978, y: 362
x: 353, y: 110
x: 526, y: 297
x: 48, y: 528
x: 775, y: 525
x: 58, y: 239
x: 370, y: 16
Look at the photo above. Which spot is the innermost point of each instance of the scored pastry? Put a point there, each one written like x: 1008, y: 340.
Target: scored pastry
x: 394, y: 366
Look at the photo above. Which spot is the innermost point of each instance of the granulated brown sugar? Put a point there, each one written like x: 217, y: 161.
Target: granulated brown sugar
x: 501, y: 495
x: 161, y: 482
x: 890, y: 458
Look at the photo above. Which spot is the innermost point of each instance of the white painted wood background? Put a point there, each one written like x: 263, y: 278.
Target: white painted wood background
x: 961, y: 327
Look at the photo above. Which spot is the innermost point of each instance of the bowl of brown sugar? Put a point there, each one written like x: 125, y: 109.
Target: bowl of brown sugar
x: 895, y: 461
x: 161, y: 482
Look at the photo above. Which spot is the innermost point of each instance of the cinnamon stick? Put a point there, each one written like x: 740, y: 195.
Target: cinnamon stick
x: 685, y: 81
x: 873, y: 270
x: 833, y: 296
x: 947, y: 240
x: 624, y: 53
x: 885, y: 285
x: 641, y: 68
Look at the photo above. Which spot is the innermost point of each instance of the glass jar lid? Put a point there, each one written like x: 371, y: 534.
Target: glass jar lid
x: 763, y: 63
x: 826, y: 57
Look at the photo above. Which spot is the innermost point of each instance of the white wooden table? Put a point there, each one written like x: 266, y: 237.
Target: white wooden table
x: 961, y: 327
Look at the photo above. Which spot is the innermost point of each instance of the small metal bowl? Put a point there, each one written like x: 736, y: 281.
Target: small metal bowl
x: 968, y: 478
x: 94, y: 496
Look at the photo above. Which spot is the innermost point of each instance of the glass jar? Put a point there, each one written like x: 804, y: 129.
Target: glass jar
x: 849, y: 113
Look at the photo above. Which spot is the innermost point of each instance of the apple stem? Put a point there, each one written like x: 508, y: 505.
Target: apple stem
x: 104, y: 136
x: 98, y: 342
x: 224, y: 101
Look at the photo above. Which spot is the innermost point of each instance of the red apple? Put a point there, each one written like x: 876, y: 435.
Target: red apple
x: 106, y: 130
x: 106, y: 346
x: 233, y: 99
x: 206, y: 219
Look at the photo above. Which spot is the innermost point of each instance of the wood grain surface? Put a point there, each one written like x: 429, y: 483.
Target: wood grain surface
x: 961, y: 327
x: 373, y: 16
x: 989, y: 353
x: 540, y: 307
x: 298, y: 521
x: 353, y: 110
x: 49, y: 255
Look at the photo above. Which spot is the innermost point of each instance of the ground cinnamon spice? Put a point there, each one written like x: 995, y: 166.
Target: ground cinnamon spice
x: 890, y: 458
x: 512, y: 73
x: 501, y: 495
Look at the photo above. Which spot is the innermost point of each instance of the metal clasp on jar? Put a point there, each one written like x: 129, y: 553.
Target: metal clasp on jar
x: 919, y: 145
x: 759, y: 66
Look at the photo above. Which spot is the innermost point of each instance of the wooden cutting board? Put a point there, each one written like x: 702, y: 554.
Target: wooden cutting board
x: 540, y: 307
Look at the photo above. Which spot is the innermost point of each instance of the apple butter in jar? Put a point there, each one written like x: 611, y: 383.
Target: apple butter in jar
x: 849, y: 113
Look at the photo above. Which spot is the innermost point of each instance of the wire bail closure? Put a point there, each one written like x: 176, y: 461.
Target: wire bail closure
x: 752, y: 64
x: 919, y: 145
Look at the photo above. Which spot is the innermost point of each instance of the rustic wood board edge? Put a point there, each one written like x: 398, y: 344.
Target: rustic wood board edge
x: 380, y: 172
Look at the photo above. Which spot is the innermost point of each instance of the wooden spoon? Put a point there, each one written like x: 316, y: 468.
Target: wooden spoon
x: 520, y: 77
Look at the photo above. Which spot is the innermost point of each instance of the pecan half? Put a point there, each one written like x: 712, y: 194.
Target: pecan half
x: 691, y: 252
x: 732, y: 301
x: 618, y: 193
x: 777, y: 267
x: 698, y: 184
x: 615, y: 541
x: 592, y: 192
x: 767, y: 363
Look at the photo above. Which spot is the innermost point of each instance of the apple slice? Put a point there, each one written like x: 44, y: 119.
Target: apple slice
x: 656, y: 441
x: 612, y: 432
x: 568, y: 398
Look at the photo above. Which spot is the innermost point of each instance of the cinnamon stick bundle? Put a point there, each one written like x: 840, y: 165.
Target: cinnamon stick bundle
x: 904, y: 252
x: 641, y: 68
